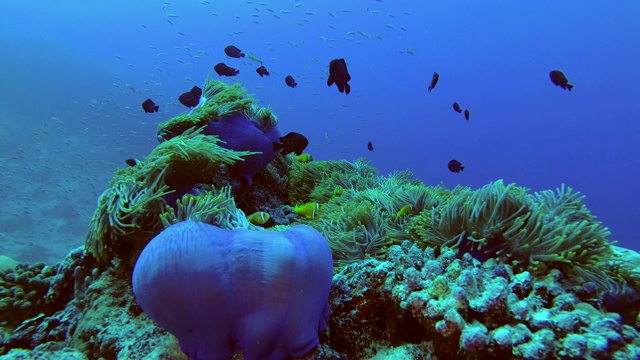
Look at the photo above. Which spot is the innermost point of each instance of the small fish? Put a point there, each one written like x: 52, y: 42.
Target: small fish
x: 191, y: 98
x: 291, y: 143
x: 338, y: 190
x: 149, y: 106
x: 258, y: 218
x: 370, y: 146
x: 305, y: 158
x: 339, y: 75
x: 223, y: 70
x: 466, y: 114
x: 132, y: 162
x: 328, y: 139
x: 455, y: 166
x: 311, y: 210
x: 262, y: 71
x: 254, y: 58
x: 290, y: 81
x: 456, y: 107
x: 559, y: 79
x: 406, y: 210
x: 434, y: 81
x: 233, y: 52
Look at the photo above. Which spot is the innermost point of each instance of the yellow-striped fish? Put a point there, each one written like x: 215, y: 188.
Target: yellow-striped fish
x: 311, y: 210
x: 406, y: 210
x: 258, y: 218
x: 305, y: 158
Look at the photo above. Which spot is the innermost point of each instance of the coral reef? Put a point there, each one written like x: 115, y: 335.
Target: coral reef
x: 415, y: 302
x: 534, y: 232
x: 418, y: 272
x: 465, y: 307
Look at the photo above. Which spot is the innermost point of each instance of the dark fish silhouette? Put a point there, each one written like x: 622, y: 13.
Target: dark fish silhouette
x: 339, y: 75
x: 455, y: 166
x: 559, y: 79
x: 149, y: 106
x: 370, y: 146
x: 187, y: 99
x: 262, y: 71
x: 233, y: 52
x: 434, y: 81
x: 223, y: 70
x: 466, y: 114
x: 131, y: 162
x: 291, y: 143
x: 290, y: 81
x: 196, y: 91
x: 456, y: 107
x: 191, y: 98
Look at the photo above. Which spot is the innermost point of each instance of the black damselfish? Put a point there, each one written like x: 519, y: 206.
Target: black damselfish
x: 559, y: 79
x: 196, y: 91
x: 339, y: 75
x: 434, y: 81
x: 455, y: 166
x: 233, y: 52
x: 149, y: 106
x: 223, y: 70
x: 290, y: 81
x: 191, y: 98
x: 262, y: 71
x: 291, y: 143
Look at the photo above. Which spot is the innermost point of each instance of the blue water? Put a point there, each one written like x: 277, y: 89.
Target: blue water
x: 68, y: 117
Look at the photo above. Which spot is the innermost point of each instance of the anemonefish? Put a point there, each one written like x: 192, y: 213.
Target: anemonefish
x: 258, y: 218
x: 338, y: 190
x: 406, y: 210
x: 305, y: 158
x: 310, y: 210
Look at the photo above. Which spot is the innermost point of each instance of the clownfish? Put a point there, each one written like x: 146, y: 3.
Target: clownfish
x: 406, y: 210
x: 311, y: 210
x: 258, y: 218
x: 338, y: 190
x: 305, y: 158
